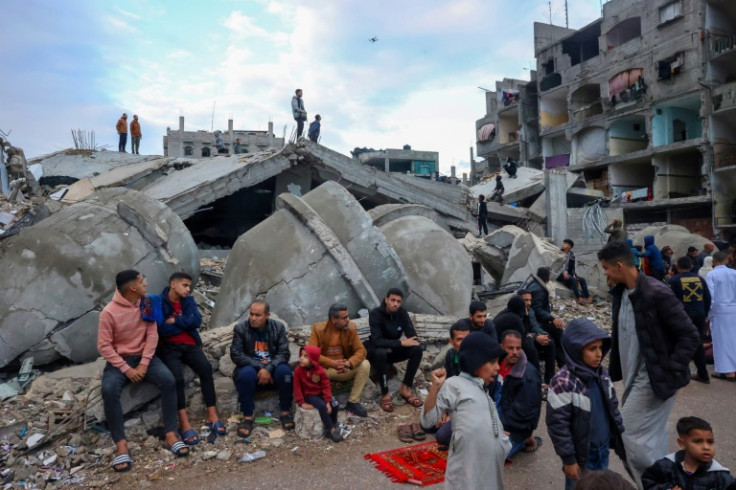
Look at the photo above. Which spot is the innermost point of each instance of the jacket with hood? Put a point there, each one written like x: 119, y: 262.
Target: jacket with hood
x: 387, y: 328
x: 540, y: 300
x: 651, y: 252
x: 668, y: 472
x: 189, y: 320
x: 521, y: 398
x: 630, y: 243
x: 352, y: 347
x: 569, y: 417
x: 666, y: 334
x: 242, y: 349
x: 122, y: 332
x: 511, y: 318
x: 312, y: 380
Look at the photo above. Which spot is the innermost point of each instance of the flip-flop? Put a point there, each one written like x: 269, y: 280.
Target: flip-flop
x: 190, y: 437
x: 387, y: 404
x: 537, y: 444
x: 217, y: 427
x: 179, y: 449
x: 417, y: 433
x: 122, y: 459
x: 724, y: 377
x: 405, y: 434
x: 287, y: 422
x: 245, y: 424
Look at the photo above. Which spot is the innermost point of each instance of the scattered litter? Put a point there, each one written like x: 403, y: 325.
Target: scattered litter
x: 266, y: 420
x: 34, y: 440
x: 277, y: 434
x: 295, y: 448
x: 248, y: 457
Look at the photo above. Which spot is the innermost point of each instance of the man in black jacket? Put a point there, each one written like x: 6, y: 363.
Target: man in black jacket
x: 521, y: 395
x: 537, y: 286
x: 653, y: 341
x: 260, y: 351
x: 544, y: 346
x: 478, y: 320
x: 393, y: 339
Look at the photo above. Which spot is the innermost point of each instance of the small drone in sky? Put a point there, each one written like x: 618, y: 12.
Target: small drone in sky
x: 373, y: 39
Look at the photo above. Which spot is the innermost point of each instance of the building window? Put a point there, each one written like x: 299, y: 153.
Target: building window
x: 205, y: 151
x: 188, y: 151
x: 670, y: 11
x: 669, y: 67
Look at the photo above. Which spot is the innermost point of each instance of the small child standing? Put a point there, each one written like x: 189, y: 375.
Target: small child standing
x: 582, y: 409
x: 479, y: 445
x: 312, y: 390
x: 693, y: 466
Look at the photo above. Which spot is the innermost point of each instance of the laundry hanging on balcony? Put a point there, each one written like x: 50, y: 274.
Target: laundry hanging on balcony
x: 487, y: 132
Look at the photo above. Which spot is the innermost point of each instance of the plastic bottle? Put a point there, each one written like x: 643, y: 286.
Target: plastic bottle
x: 248, y: 457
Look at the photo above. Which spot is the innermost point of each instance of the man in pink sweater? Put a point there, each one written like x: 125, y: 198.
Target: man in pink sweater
x: 128, y: 344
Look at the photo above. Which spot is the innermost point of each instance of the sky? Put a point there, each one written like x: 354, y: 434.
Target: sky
x: 81, y: 64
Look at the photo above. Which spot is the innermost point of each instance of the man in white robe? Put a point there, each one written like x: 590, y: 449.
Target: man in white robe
x: 722, y: 284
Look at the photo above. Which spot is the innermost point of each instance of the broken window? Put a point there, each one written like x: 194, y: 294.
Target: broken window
x: 549, y: 67
x: 205, y: 151
x: 188, y: 151
x: 670, y: 11
x: 624, y: 32
x: 669, y: 67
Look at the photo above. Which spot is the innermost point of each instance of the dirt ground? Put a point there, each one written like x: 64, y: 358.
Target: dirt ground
x: 322, y: 464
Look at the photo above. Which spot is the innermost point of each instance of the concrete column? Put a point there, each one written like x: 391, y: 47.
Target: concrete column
x: 270, y: 130
x: 181, y: 123
x: 452, y: 171
x: 230, y: 132
x: 472, y: 167
x: 556, y: 195
x: 465, y: 178
x: 181, y: 138
x: 385, y: 165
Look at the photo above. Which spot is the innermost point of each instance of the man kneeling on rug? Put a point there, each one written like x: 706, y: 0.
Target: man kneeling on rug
x: 480, y: 445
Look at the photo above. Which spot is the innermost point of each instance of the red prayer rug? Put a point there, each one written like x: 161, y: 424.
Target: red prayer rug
x: 421, y: 464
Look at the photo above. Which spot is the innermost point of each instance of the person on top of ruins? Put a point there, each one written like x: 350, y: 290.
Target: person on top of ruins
x: 537, y: 286
x: 122, y: 129
x: 394, y: 339
x: 314, y: 128
x: 569, y: 276
x: 498, y: 191
x: 482, y: 216
x: 615, y: 230
x: 298, y: 111
x: 510, y: 167
x: 135, y: 135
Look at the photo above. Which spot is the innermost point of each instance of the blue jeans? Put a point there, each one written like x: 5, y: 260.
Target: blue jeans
x: 517, y: 444
x: 113, y: 382
x: 123, y: 141
x: 597, y: 460
x: 572, y: 283
x: 246, y: 382
x: 329, y: 420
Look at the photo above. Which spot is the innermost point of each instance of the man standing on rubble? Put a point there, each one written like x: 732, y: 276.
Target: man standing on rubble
x: 298, y: 111
x: 128, y: 343
x: 135, y: 135
x: 122, y: 128
x: 652, y: 343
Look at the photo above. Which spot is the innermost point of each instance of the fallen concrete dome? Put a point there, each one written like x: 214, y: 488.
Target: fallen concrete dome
x: 677, y: 237
x: 324, y: 248
x: 59, y: 273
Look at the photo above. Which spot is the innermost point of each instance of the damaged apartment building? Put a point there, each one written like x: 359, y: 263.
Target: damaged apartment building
x: 641, y: 103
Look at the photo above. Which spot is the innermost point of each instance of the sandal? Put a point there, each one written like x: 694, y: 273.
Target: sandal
x: 387, y: 404
x: 417, y: 433
x: 178, y: 448
x: 533, y: 447
x: 724, y: 377
x: 413, y: 400
x: 405, y: 433
x: 217, y: 427
x: 287, y: 422
x: 246, y: 424
x: 122, y: 459
x: 189, y: 437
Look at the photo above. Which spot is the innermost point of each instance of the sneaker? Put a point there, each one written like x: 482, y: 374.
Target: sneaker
x: 356, y: 408
x: 334, y: 435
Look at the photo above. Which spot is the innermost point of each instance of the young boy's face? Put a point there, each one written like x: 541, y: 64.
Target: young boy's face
x: 457, y: 338
x: 698, y: 444
x: 488, y: 371
x: 182, y: 287
x: 304, y: 360
x: 593, y: 353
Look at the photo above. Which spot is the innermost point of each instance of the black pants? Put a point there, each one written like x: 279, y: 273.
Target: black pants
x: 547, y: 353
x: 299, y: 128
x: 329, y: 420
x: 482, y: 225
x: 527, y: 345
x: 658, y: 274
x: 175, y: 356
x: 555, y: 335
x: 698, y: 318
x: 380, y: 358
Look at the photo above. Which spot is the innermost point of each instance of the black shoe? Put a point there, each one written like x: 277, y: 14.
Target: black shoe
x: 335, y: 435
x: 700, y: 379
x: 356, y: 408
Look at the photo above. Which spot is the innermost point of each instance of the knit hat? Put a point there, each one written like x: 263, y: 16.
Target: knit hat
x: 477, y: 349
x: 516, y: 305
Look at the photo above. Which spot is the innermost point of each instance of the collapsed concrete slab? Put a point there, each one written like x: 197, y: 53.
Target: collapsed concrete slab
x: 528, y: 183
x: 389, y: 212
x: 324, y: 248
x: 68, y: 166
x: 61, y: 270
x: 529, y: 252
x: 492, y: 259
x: 677, y: 237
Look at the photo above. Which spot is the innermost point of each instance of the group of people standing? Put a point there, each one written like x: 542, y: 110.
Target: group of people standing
x: 135, y: 133
x: 300, y: 116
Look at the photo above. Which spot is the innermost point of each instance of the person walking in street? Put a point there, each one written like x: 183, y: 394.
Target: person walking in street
x: 653, y: 342
x: 722, y: 285
x: 298, y: 111
x: 135, y: 135
x: 122, y: 129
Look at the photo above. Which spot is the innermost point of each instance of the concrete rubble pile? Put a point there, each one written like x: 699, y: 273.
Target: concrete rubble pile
x: 324, y: 248
x: 57, y: 273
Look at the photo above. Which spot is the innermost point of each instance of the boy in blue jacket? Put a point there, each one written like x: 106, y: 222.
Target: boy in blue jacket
x: 179, y: 344
x: 583, y: 420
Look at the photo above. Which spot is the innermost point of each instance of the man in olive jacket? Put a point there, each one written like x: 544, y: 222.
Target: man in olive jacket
x: 342, y: 354
x: 260, y: 351
x: 653, y: 341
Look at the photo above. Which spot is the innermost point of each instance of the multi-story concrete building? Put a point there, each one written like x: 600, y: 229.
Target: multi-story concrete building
x: 405, y: 160
x: 201, y: 144
x: 510, y: 127
x: 642, y: 102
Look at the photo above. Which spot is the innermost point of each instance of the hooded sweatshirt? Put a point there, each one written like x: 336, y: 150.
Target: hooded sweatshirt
x: 630, y: 243
x: 512, y: 318
x: 656, y: 262
x: 312, y: 380
x: 122, y: 332
x: 582, y: 408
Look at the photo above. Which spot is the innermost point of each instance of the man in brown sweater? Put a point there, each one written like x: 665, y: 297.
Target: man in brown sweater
x: 122, y: 129
x: 343, y: 354
x: 135, y: 135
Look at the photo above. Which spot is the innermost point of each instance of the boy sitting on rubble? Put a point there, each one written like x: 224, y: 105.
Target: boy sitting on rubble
x: 498, y: 191
x: 312, y: 390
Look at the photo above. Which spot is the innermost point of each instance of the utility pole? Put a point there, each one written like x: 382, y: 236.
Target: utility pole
x: 567, y: 22
x: 549, y: 4
x: 212, y: 124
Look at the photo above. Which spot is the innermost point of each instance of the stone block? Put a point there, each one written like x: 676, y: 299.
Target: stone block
x: 308, y: 424
x: 527, y: 254
x: 73, y: 342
